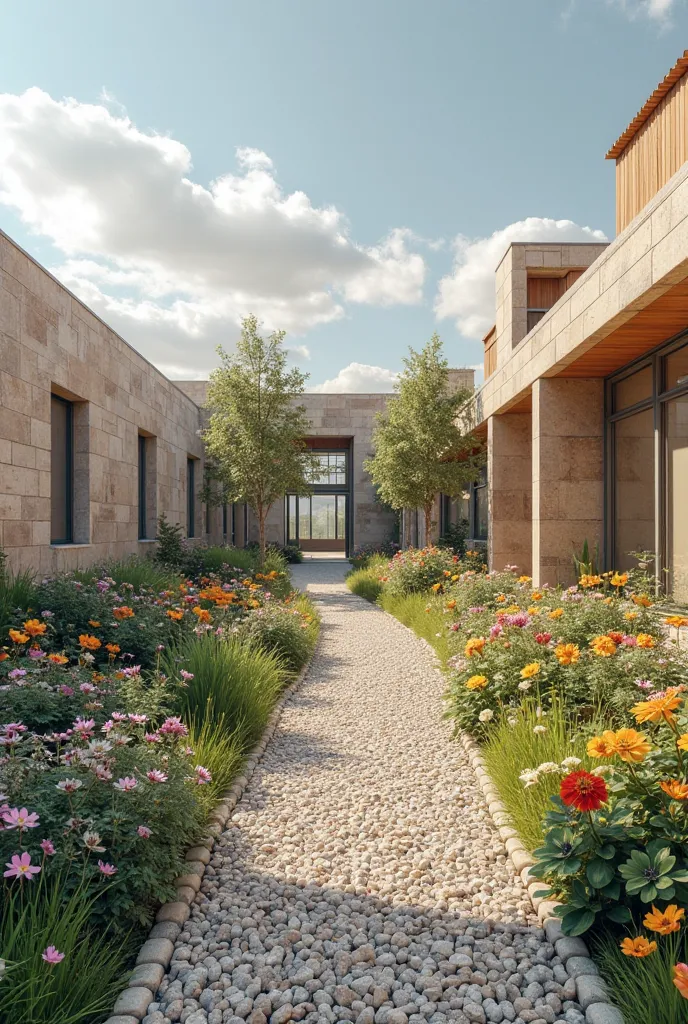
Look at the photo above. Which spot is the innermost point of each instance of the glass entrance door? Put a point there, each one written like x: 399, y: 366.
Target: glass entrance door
x: 317, y: 522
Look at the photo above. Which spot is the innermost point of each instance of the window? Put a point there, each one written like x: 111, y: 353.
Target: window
x: 143, y: 487
x: 224, y: 520
x: 332, y: 469
x: 676, y: 461
x: 633, y: 389
x: 319, y: 517
x: 634, y: 487
x: 190, y: 497
x: 61, y: 470
x: 533, y: 316
x: 479, y: 530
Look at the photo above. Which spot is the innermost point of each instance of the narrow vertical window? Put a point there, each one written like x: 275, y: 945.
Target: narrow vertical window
x: 61, y: 470
x: 190, y: 498
x: 143, y: 486
x: 224, y: 520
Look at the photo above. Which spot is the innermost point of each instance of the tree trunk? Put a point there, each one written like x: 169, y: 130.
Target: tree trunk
x: 427, y: 510
x: 261, y: 536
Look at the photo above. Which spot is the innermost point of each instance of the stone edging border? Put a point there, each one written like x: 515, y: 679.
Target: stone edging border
x: 591, y: 991
x: 155, y: 954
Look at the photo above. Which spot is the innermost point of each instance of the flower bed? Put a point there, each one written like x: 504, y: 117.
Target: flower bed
x: 577, y: 697
x: 124, y: 712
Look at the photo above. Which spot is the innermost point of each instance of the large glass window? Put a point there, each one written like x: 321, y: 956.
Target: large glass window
x: 190, y: 497
x: 319, y: 517
x: 61, y: 470
x: 676, y: 369
x: 331, y: 468
x: 676, y: 496
x: 634, y: 487
x: 480, y: 506
x: 633, y: 389
x: 143, y: 512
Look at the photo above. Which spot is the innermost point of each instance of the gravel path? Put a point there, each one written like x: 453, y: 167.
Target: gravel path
x: 361, y: 877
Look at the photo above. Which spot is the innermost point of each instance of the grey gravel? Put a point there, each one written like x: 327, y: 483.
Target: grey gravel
x: 361, y: 877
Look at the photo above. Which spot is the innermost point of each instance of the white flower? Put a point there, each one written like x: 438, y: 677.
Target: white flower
x: 529, y: 777
x: 525, y: 685
x: 539, y: 729
x: 548, y: 768
x: 486, y: 715
x: 569, y: 763
x: 89, y: 658
x: 603, y: 769
x: 512, y: 721
x: 539, y: 713
x: 2, y: 968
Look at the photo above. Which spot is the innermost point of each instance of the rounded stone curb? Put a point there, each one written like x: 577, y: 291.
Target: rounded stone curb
x: 591, y: 991
x: 156, y: 952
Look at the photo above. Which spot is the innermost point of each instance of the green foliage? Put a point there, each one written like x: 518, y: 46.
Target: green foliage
x: 373, y: 554
x: 419, y: 448
x: 365, y: 583
x: 642, y: 988
x: 170, y: 549
x: 415, y: 571
x: 454, y: 538
x: 242, y: 683
x: 139, y: 574
x: 216, y: 748
x: 78, y: 990
x: 586, y: 562
x: 256, y: 430
x: 424, y: 615
x: 17, y: 592
x: 285, y: 630
x: 514, y: 747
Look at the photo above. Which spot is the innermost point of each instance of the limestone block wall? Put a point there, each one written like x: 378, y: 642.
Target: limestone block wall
x: 51, y: 343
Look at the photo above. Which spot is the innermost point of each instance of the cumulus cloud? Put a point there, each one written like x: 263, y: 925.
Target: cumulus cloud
x: 659, y: 10
x: 359, y: 378
x: 467, y: 294
x: 167, y: 260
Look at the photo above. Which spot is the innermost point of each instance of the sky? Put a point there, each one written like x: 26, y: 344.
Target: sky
x: 349, y: 173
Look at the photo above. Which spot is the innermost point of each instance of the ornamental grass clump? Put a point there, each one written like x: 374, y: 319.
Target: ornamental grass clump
x: 289, y: 630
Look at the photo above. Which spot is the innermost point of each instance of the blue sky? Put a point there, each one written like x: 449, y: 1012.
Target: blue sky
x: 370, y: 160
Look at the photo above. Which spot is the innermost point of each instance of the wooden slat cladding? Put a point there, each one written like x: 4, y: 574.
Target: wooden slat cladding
x: 653, y: 154
x: 543, y: 292
x: 490, y: 356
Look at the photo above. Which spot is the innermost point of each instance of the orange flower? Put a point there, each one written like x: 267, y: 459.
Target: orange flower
x: 602, y: 746
x: 536, y: 596
x: 34, y: 627
x: 567, y: 654
x: 630, y: 616
x: 645, y: 640
x: 654, y: 710
x: 94, y: 623
x: 676, y: 620
x: 451, y: 605
x: 619, y: 579
x: 18, y: 637
x: 631, y: 746
x: 474, y: 646
x: 524, y: 579
x: 113, y: 648
x: 476, y: 682
x: 530, y: 670
x: 675, y: 789
x: 89, y: 643
x: 500, y: 598
x: 638, y: 947
x: 512, y: 609
x: 616, y: 637
x: 202, y: 613
x: 589, y: 580
x: 125, y: 612
x: 556, y: 613
x: 175, y: 613
x: 4, y: 655
x: 641, y: 599
x: 603, y: 646
x: 436, y: 587
x: 664, y: 921
x: 58, y: 659
x: 680, y: 979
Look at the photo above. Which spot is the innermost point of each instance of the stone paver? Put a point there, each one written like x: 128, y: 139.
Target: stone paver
x: 361, y: 877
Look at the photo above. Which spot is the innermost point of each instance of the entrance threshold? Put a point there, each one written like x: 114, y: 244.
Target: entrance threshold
x: 324, y: 556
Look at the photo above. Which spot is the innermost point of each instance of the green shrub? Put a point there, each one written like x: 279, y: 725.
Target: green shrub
x: 240, y: 682
x: 415, y: 571
x: 285, y: 630
x: 17, y: 593
x: 367, y: 554
x: 170, y: 549
x: 643, y: 988
x: 365, y: 583
x: 138, y: 573
x: 454, y: 538
x: 216, y: 748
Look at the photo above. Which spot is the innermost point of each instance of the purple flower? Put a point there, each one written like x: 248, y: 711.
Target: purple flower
x: 644, y: 684
x: 46, y: 615
x: 144, y: 831
x: 47, y: 847
x: 106, y: 869
x: 495, y: 631
x: 52, y: 955
x: 17, y: 673
x: 36, y: 653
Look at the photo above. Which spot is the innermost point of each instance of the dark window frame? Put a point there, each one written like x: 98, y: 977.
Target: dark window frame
x: 190, y: 498
x: 68, y: 470
x: 143, y: 485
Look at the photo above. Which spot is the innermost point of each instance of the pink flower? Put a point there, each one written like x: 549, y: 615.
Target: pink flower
x: 87, y: 687
x: 47, y: 847
x: 203, y: 776
x: 186, y: 676
x: 21, y: 819
x: 84, y: 726
x: 107, y: 726
x: 629, y: 641
x: 495, y: 631
x: 51, y: 955
x: 66, y: 691
x: 69, y: 785
x: 173, y: 727
x: 117, y: 716
x: 17, y: 673
x: 144, y: 831
x: 126, y: 784
x: 644, y: 684
x: 138, y: 719
x: 156, y: 776
x: 106, y: 869
x: 36, y: 652
x: 152, y: 737
x: 104, y: 774
x: 21, y: 867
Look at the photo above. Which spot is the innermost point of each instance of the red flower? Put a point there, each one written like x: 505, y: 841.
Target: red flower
x: 543, y: 638
x: 616, y: 637
x: 583, y: 791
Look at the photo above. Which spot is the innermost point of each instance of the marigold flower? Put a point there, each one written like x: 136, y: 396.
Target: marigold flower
x: 675, y: 789
x: 639, y: 946
x: 500, y: 598
x: 602, y: 746
x: 603, y: 646
x: 619, y: 579
x: 631, y: 746
x: 589, y: 580
x: 124, y: 612
x: 567, y: 654
x: 583, y: 791
x: 58, y: 659
x: 89, y: 643
x: 113, y: 648
x: 94, y: 623
x: 524, y: 579
x: 556, y: 613
x: 203, y: 614
x: 664, y: 921
x: 642, y: 600
x: 630, y: 615
x: 474, y: 646
x: 530, y: 670
x: 645, y: 640
x: 476, y: 683
x: 680, y: 979
x: 676, y: 620
x: 18, y: 637
x: 451, y: 605
x: 175, y: 613
x: 34, y: 627
x: 660, y: 707
x: 682, y: 741
x: 436, y: 587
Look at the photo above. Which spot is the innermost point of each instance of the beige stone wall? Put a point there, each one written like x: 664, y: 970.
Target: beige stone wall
x: 50, y: 342
x: 509, y: 474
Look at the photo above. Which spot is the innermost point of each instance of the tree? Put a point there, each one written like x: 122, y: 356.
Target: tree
x: 420, y: 447
x: 255, y: 437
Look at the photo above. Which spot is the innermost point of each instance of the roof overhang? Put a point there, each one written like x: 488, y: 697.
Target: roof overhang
x: 665, y: 86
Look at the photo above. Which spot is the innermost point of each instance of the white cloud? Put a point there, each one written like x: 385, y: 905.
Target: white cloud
x: 467, y: 294
x: 167, y: 260
x: 659, y: 10
x: 359, y: 378
x: 300, y: 350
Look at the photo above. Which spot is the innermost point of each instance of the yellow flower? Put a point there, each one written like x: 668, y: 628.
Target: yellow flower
x: 602, y: 746
x: 671, y: 620
x: 644, y: 640
x: 530, y: 670
x: 436, y: 587
x: 641, y: 599
x: 675, y: 789
x: 654, y: 710
x: 512, y: 609
x: 476, y: 682
x: 639, y: 946
x: 603, y: 646
x: 589, y: 580
x: 455, y: 577
x: 682, y: 741
x: 608, y: 600
x: 556, y: 613
x: 474, y: 646
x: 631, y: 746
x: 567, y: 654
x: 533, y: 610
x: 619, y: 579
x: 451, y: 604
x: 58, y: 659
x: 630, y: 616
x: 664, y: 921
x: 500, y: 598
x: 524, y: 579
x: 17, y: 637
